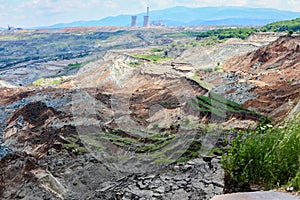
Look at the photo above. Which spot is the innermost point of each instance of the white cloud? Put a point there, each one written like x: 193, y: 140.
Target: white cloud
x: 46, y: 12
x: 198, y: 3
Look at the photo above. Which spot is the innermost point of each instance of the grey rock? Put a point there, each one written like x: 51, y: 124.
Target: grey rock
x: 141, y: 185
x: 160, y: 189
x: 180, y: 194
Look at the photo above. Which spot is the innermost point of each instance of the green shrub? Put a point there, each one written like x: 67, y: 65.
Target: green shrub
x: 268, y: 156
x: 135, y: 63
x: 156, y: 50
x: 75, y: 65
x: 295, y: 182
x: 56, y: 81
x: 78, y: 65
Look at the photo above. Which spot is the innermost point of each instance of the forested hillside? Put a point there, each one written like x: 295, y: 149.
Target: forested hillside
x: 287, y: 25
x: 221, y: 34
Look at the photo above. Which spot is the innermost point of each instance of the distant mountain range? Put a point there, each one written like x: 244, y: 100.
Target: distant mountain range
x: 183, y: 16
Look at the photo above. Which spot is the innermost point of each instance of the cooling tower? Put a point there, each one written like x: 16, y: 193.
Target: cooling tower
x: 134, y: 21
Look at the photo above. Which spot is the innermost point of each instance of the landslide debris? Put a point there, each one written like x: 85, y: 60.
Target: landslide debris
x: 266, y: 80
x: 50, y: 159
x: 117, y: 131
x: 113, y: 131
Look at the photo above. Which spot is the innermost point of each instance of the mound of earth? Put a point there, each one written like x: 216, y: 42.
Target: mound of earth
x: 266, y: 80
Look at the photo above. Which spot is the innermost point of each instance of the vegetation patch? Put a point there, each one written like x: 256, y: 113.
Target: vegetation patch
x: 156, y: 50
x: 78, y: 65
x: 38, y: 82
x: 151, y: 57
x: 135, y: 63
x: 75, y: 65
x: 283, y: 26
x: 137, y: 144
x: 209, y: 41
x: 191, y: 153
x: 74, y: 145
x: 203, y: 84
x: 227, y: 33
x: 268, y: 156
x: 222, y: 108
x: 182, y: 34
x: 48, y: 82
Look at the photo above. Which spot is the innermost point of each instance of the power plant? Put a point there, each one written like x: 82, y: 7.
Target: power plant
x: 146, y: 24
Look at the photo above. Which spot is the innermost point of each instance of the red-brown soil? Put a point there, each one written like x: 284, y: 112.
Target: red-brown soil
x: 275, y: 71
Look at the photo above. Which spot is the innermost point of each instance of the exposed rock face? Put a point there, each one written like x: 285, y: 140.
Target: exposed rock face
x: 267, y: 79
x: 280, y: 54
x: 263, y: 38
x: 207, y: 57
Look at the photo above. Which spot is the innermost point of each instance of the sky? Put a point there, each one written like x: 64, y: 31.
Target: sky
x: 34, y: 13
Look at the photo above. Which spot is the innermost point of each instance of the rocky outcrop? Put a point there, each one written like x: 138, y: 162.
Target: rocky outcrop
x: 266, y: 80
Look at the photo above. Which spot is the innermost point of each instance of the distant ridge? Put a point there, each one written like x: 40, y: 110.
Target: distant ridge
x: 184, y: 16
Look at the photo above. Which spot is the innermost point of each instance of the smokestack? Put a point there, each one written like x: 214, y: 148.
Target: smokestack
x: 134, y: 21
x: 147, y: 19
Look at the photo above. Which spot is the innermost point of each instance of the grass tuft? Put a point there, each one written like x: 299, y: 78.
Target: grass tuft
x: 268, y: 156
